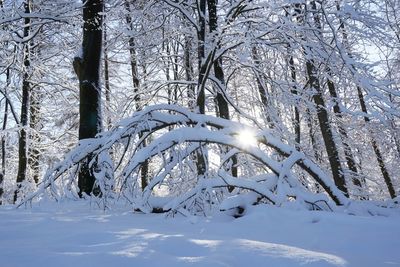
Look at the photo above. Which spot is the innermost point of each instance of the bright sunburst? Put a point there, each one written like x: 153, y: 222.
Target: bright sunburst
x: 247, y: 138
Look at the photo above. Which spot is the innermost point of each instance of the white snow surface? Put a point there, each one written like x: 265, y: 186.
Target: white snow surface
x: 76, y: 233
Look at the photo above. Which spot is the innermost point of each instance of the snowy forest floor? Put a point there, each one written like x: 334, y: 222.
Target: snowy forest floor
x: 77, y: 234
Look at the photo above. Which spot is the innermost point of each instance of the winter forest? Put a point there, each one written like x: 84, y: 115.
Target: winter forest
x: 200, y: 100
x: 196, y: 107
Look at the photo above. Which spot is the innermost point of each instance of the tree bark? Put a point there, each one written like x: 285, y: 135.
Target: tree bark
x: 322, y: 114
x: 294, y: 91
x: 26, y: 90
x: 3, y: 139
x: 351, y: 164
x: 323, y: 119
x: 107, y: 80
x: 377, y: 151
x: 191, y: 93
x: 203, y: 69
x: 222, y: 103
x: 262, y: 86
x: 144, y: 169
x: 87, y: 66
x: 34, y: 124
x: 202, y: 62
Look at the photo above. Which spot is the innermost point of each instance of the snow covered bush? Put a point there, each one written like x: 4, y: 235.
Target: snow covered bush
x: 268, y: 170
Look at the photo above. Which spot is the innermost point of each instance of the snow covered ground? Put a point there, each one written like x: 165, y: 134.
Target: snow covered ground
x: 75, y: 234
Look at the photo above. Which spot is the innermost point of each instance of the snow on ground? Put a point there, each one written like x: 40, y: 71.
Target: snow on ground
x: 75, y: 234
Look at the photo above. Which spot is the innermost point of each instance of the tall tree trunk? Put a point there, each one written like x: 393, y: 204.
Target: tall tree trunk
x: 175, y: 70
x: 202, y: 62
x: 322, y: 114
x: 203, y: 69
x: 294, y: 91
x: 23, y: 136
x: 191, y: 93
x: 351, y: 164
x: 261, y: 86
x: 364, y: 109
x: 107, y: 79
x: 3, y: 139
x: 323, y: 119
x: 222, y: 103
x: 375, y: 147
x: 34, y: 124
x: 87, y: 66
x: 144, y: 169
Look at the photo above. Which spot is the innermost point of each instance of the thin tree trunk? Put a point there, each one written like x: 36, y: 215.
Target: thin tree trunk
x: 202, y: 62
x: 311, y: 132
x: 191, y: 93
x: 175, y: 69
x: 203, y: 69
x: 87, y: 66
x: 222, y: 103
x: 23, y: 136
x: 323, y: 118
x: 3, y: 139
x: 364, y: 109
x: 376, y: 149
x: 107, y: 79
x: 34, y: 124
x: 261, y: 86
x: 294, y: 91
x: 351, y: 164
x: 144, y: 169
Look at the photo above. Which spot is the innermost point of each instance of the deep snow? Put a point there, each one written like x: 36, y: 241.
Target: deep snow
x: 78, y: 234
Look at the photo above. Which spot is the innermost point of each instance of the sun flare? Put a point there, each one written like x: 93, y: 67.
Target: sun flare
x: 247, y: 138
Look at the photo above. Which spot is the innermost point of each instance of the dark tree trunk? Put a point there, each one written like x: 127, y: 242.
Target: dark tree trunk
x: 144, y: 169
x: 331, y: 149
x: 363, y: 105
x: 34, y: 124
x: 3, y: 139
x: 222, y: 103
x: 351, y: 163
x: 376, y: 149
x: 322, y: 114
x: 262, y: 90
x: 203, y: 69
x: 107, y: 80
x: 202, y: 62
x: 336, y: 108
x: 262, y: 86
x: 323, y: 119
x: 23, y: 135
x: 87, y: 67
x: 294, y: 91
x: 311, y: 132
x: 191, y: 93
